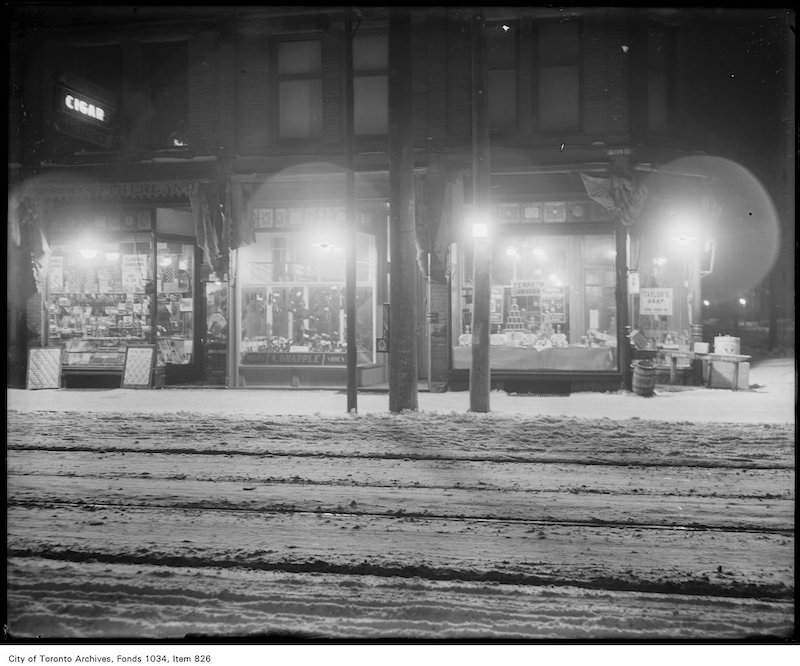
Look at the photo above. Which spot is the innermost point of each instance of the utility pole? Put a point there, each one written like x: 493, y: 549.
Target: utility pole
x: 351, y: 219
x: 480, y: 372
x: 403, y: 373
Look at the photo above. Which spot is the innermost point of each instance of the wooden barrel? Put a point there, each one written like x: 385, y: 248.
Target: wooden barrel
x: 644, y: 378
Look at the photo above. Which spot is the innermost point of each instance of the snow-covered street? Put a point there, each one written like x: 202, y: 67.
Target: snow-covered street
x: 166, y: 524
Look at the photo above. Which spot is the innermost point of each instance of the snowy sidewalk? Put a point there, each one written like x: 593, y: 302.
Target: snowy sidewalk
x: 771, y: 400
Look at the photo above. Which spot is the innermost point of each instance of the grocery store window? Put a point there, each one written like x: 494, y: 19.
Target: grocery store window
x: 96, y: 299
x: 370, y: 84
x: 167, y: 81
x: 552, y: 303
x: 292, y: 295
x: 558, y: 58
x: 502, y: 53
x: 299, y: 89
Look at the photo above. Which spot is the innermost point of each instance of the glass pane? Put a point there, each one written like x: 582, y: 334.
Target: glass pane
x: 558, y: 43
x: 97, y: 301
x: 657, y: 47
x: 300, y: 57
x: 371, y: 104
x: 216, y: 312
x: 656, y: 101
x: 300, y: 112
x: 552, y: 308
x: 558, y: 98
x: 293, y: 296
x: 503, y: 100
x: 370, y: 53
x: 175, y: 302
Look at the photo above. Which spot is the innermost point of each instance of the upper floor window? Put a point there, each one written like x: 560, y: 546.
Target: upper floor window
x: 167, y: 81
x: 502, y: 52
x: 370, y: 84
x: 659, y: 59
x: 102, y: 65
x: 299, y: 89
x: 558, y: 59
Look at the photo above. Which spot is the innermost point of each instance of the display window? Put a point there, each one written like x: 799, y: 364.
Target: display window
x: 97, y: 299
x: 175, y: 321
x: 291, y: 294
x: 552, y: 303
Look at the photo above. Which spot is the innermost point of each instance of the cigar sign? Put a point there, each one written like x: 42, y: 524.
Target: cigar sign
x: 655, y: 301
x: 84, y: 110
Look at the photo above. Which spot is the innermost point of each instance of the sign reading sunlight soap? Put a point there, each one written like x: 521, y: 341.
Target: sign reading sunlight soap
x: 655, y: 301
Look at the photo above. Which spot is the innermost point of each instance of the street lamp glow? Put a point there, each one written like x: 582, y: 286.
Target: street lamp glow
x: 742, y: 301
x: 480, y: 230
x: 480, y: 224
x: 660, y: 261
x: 706, y: 302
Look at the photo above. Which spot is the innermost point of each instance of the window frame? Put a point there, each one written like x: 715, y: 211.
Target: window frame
x: 516, y: 29
x: 150, y: 61
x: 277, y: 78
x: 666, y: 66
x: 370, y: 73
x: 537, y: 77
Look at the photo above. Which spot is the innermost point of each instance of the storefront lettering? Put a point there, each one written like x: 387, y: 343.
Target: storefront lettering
x: 115, y: 190
x: 289, y: 358
x: 655, y: 301
x: 85, y: 108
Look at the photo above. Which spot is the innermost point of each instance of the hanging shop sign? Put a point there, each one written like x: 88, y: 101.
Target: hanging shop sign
x: 655, y: 301
x: 84, y: 110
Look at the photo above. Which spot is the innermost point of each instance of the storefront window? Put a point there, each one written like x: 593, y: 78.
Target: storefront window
x: 175, y: 304
x: 97, y: 303
x: 292, y: 300
x: 553, y: 304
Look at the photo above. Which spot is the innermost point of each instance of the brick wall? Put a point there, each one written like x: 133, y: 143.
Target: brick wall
x: 204, y: 80
x: 253, y: 110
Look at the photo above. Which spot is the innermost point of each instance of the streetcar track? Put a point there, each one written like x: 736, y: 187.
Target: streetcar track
x: 350, y: 483
x: 388, y: 455
x: 689, y: 587
x: 285, y: 509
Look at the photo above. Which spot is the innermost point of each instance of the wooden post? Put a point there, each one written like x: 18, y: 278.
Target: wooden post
x: 352, y: 222
x: 403, y: 362
x: 480, y: 372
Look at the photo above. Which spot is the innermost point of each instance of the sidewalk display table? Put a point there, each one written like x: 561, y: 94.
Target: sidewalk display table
x: 719, y: 370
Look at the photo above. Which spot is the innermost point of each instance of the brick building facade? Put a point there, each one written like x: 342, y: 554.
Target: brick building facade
x: 229, y: 139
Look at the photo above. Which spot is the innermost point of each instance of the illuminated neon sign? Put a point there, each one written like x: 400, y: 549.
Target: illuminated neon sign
x: 84, y: 107
x: 84, y: 110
